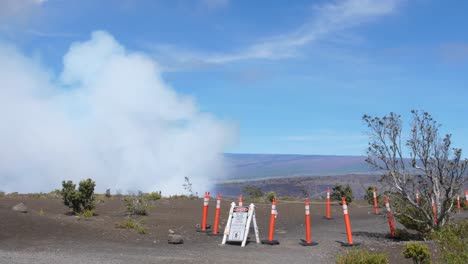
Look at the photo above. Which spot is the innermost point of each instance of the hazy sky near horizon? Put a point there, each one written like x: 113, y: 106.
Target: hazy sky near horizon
x: 292, y: 76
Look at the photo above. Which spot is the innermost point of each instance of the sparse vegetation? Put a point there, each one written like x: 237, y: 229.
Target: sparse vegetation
x: 188, y: 187
x: 136, y: 205
x: 81, y: 199
x: 41, y: 212
x: 270, y: 196
x: 418, y: 252
x: 453, y: 242
x: 153, y: 196
x: 87, y: 213
x: 131, y: 224
x: 253, y: 192
x: 338, y: 192
x: 369, y: 197
x: 361, y: 256
x: 435, y: 168
x: 108, y: 193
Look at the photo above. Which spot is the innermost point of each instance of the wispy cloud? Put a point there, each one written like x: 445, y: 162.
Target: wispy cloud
x: 454, y: 52
x: 325, y: 136
x: 17, y: 9
x: 327, y: 20
x: 215, y: 4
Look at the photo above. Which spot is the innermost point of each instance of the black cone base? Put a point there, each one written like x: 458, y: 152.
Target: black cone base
x: 207, y: 229
x: 350, y: 245
x: 270, y: 242
x: 305, y: 244
x: 328, y: 218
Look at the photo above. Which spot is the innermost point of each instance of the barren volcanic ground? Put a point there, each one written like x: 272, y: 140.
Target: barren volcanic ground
x: 55, y: 237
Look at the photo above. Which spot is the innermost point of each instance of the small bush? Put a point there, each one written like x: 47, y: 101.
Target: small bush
x: 369, y: 197
x: 2, y: 193
x: 270, y: 196
x: 81, y: 199
x: 418, y: 252
x: 361, y: 256
x: 41, y: 212
x: 131, y: 224
x: 153, y: 196
x: 142, y: 230
x: 136, y: 205
x: 252, y: 191
x: 338, y: 192
x: 88, y: 213
x: 108, y: 193
x: 453, y: 242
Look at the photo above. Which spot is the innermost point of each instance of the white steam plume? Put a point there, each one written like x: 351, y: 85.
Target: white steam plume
x: 109, y: 116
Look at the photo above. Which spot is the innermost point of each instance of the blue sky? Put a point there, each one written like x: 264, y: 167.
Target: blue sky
x: 293, y: 76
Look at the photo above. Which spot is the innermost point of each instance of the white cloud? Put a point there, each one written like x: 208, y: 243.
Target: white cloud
x: 328, y: 19
x: 109, y: 116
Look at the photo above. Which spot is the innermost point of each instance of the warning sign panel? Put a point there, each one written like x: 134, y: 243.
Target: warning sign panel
x: 238, y: 224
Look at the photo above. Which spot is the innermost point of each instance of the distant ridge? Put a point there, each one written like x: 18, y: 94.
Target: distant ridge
x: 256, y: 166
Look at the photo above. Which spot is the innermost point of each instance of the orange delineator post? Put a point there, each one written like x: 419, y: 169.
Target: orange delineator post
x: 417, y: 197
x: 205, y: 210
x: 434, y: 210
x: 327, y: 216
x: 216, y: 221
x: 270, y: 240
x: 391, y: 224
x: 376, y: 206
x: 458, y: 203
x: 308, y: 240
x: 466, y: 198
x: 240, y: 200
x: 348, y: 225
x: 307, y: 220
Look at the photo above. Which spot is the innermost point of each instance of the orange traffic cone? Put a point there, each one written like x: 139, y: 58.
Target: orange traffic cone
x: 273, y: 215
x: 216, y: 221
x: 240, y: 200
x: 204, y: 226
x: 328, y: 211
x: 349, y: 233
x: 391, y: 224
x: 376, y: 206
x: 308, y: 240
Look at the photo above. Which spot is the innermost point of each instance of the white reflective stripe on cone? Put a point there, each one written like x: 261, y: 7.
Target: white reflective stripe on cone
x: 345, y: 209
x: 328, y: 195
x: 218, y: 204
x: 307, y: 210
x: 387, y: 205
x: 375, y: 195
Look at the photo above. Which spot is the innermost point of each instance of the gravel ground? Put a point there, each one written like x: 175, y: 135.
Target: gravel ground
x: 55, y: 237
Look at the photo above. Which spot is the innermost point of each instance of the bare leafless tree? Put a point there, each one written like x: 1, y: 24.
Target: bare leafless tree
x: 426, y: 163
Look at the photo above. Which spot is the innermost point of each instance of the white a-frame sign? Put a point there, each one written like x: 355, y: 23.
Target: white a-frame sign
x: 238, y: 224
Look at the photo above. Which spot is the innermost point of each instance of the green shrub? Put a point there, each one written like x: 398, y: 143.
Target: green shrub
x: 131, y: 224
x: 136, y: 205
x: 108, y: 193
x: 418, y: 252
x: 270, y: 196
x: 369, y: 197
x: 81, y: 199
x: 87, y: 213
x: 252, y: 191
x: 338, y: 192
x: 41, y: 212
x: 453, y: 242
x: 2, y: 193
x: 287, y: 198
x: 361, y: 256
x: 153, y: 196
